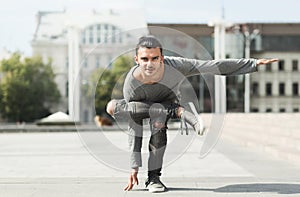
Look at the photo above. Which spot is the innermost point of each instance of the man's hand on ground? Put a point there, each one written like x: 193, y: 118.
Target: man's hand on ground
x: 132, y: 180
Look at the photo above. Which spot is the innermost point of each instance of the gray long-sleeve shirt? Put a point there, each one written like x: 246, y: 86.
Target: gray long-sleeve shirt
x: 176, y: 70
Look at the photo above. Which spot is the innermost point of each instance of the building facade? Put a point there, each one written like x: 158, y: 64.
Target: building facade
x: 104, y: 36
x: 275, y: 88
x: 97, y: 38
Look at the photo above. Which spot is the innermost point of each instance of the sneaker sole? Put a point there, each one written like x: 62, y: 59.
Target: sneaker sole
x: 156, y: 190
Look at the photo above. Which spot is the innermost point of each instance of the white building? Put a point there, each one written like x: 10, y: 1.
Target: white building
x: 275, y: 88
x: 87, y: 40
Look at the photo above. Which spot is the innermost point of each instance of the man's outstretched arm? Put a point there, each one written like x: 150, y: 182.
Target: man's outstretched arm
x: 227, y: 67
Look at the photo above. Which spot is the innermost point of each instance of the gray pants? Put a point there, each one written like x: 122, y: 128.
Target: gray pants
x: 135, y: 112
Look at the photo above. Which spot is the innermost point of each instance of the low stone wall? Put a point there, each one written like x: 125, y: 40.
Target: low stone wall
x: 277, y: 134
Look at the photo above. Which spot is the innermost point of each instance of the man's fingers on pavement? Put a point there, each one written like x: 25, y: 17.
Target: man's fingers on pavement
x: 128, y: 187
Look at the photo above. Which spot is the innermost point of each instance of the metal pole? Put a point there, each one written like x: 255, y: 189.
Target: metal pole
x: 248, y: 38
x: 220, y: 81
x: 247, y: 76
x: 223, y: 78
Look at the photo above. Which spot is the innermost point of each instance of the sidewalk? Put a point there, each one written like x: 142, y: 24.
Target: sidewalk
x: 57, y: 164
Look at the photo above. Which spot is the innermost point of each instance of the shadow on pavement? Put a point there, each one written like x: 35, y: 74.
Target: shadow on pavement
x: 279, y: 188
x: 140, y: 190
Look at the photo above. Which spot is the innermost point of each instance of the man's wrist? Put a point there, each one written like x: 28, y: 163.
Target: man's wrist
x: 135, y: 170
x: 258, y: 62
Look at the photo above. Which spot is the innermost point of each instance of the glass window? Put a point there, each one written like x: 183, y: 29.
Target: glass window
x: 255, y: 89
x: 281, y: 65
x: 268, y: 68
x: 254, y: 109
x: 281, y: 89
x: 98, y: 33
x: 295, y: 87
x: 269, y: 110
x: 86, y: 116
x: 101, y: 33
x: 120, y: 38
x: 67, y: 62
x: 281, y: 43
x: 97, y: 61
x: 85, y: 62
x: 295, y: 65
x: 67, y: 89
x: 91, y: 39
x: 282, y: 110
x: 269, y: 89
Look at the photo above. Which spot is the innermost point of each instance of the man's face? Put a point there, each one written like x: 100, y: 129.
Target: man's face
x: 150, y: 61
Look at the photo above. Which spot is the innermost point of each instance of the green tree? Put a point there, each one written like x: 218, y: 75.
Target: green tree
x: 109, y: 82
x: 120, y: 67
x: 27, y: 88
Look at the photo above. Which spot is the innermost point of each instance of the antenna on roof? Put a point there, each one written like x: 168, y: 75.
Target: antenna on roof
x: 222, y: 9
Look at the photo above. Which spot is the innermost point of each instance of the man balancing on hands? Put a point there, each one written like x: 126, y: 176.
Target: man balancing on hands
x: 153, y: 83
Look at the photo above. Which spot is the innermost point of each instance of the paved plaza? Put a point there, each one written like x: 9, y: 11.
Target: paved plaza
x: 61, y: 164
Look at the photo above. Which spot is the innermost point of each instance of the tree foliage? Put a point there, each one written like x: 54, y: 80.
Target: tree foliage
x: 109, y: 82
x: 27, y: 88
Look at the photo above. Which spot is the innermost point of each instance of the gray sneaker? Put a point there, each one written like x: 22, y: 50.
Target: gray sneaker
x: 154, y: 185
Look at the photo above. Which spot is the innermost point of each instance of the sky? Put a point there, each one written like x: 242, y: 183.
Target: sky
x: 17, y: 18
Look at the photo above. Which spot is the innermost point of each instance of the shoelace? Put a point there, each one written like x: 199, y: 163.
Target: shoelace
x: 183, y: 123
x: 147, y: 182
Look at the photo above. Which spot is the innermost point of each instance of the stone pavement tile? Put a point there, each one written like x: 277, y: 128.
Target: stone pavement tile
x: 57, y: 165
x: 263, y: 166
x: 92, y: 187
